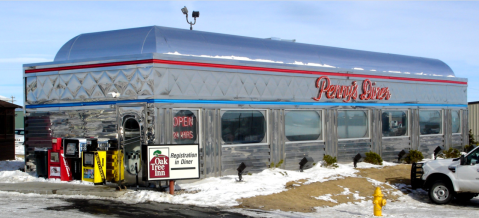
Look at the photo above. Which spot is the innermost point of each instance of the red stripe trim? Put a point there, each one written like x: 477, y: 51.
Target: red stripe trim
x: 226, y: 66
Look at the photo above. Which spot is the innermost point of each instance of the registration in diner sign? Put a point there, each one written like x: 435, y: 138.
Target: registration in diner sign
x: 173, y: 162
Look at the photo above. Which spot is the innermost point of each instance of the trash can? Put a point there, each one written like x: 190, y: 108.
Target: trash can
x: 41, y: 161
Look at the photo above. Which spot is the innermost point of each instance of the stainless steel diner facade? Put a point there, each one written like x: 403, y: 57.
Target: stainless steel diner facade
x: 241, y: 98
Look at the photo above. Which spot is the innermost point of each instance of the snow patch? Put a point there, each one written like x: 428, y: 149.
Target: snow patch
x: 326, y: 197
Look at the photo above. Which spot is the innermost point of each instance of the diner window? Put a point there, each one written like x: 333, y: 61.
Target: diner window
x: 395, y: 123
x: 456, y: 121
x: 243, y: 127
x: 353, y: 124
x: 185, y: 127
x: 302, y: 125
x: 430, y: 122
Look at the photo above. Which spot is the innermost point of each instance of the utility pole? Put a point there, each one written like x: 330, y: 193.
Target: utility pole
x: 13, y: 98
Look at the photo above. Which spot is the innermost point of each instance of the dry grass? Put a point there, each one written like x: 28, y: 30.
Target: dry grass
x: 301, y: 198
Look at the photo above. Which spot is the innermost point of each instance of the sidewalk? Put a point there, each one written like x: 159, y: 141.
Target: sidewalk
x: 61, y: 189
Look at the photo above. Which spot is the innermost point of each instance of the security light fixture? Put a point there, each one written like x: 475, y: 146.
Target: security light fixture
x: 185, y: 11
x: 356, y: 159
x: 241, y: 169
x: 436, y: 151
x: 401, y: 154
x: 306, y: 162
x: 195, y: 14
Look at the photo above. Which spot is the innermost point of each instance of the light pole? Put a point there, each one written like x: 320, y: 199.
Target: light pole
x: 195, y: 14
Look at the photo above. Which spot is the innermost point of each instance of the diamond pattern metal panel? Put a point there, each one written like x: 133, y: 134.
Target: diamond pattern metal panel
x: 91, y: 85
x: 401, y: 92
x: 200, y: 84
x: 431, y: 93
x: 456, y: 94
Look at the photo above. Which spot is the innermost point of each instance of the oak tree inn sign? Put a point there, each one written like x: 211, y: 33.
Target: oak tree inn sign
x: 173, y: 162
x: 369, y: 90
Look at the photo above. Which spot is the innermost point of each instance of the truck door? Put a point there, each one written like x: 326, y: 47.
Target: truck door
x: 468, y: 174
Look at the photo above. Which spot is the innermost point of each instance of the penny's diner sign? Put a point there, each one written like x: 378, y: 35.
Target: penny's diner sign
x: 369, y: 91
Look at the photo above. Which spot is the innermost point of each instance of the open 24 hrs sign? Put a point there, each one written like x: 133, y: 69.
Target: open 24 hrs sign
x: 173, y: 162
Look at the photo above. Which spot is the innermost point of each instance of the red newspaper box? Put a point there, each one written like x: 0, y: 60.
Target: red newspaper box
x: 58, y: 166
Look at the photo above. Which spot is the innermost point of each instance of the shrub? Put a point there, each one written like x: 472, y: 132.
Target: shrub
x: 472, y: 140
x: 330, y: 161
x: 279, y: 163
x: 272, y: 165
x: 450, y: 153
x: 468, y: 148
x: 413, y: 156
x: 373, y: 158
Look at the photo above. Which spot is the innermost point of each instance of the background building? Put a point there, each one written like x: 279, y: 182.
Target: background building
x: 7, y: 126
x: 19, y: 121
x: 473, y: 118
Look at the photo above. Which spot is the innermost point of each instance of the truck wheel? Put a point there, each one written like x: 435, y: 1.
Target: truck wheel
x: 440, y: 192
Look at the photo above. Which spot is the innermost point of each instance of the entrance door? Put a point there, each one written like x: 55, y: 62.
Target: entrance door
x: 131, y: 137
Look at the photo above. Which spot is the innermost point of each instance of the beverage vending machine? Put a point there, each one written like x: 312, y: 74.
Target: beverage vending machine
x: 58, y: 166
x: 102, y: 162
x: 73, y: 149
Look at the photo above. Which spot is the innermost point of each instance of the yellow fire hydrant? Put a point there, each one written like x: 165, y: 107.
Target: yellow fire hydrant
x: 378, y: 202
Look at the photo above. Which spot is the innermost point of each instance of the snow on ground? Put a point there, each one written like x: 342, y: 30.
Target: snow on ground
x: 216, y: 192
x: 10, y: 173
x: 219, y: 191
x: 407, y: 206
x: 14, y: 205
x: 224, y: 191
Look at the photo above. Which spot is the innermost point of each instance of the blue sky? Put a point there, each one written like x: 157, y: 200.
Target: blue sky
x: 33, y: 32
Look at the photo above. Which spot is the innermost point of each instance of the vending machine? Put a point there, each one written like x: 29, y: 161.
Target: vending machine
x: 58, y: 165
x: 115, y: 169
x: 73, y: 149
x: 103, y: 144
x: 91, y: 144
x: 94, y: 167
x: 54, y: 168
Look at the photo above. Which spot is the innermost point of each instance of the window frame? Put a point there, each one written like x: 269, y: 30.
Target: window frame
x: 460, y: 122
x: 408, y: 122
x: 368, y: 118
x: 321, y: 114
x: 442, y: 122
x: 265, y: 113
x: 199, y: 118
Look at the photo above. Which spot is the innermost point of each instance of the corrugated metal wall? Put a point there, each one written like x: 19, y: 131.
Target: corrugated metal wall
x: 474, y: 119
x: 42, y: 125
x: 179, y: 82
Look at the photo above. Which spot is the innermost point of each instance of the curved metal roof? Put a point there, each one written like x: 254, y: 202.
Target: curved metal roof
x: 165, y: 40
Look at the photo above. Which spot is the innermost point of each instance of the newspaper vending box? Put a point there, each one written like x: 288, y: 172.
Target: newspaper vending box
x: 94, y: 167
x: 72, y: 149
x: 114, y: 166
x: 58, y: 165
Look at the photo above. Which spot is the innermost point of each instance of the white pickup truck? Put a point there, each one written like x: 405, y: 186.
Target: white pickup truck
x: 448, y: 178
